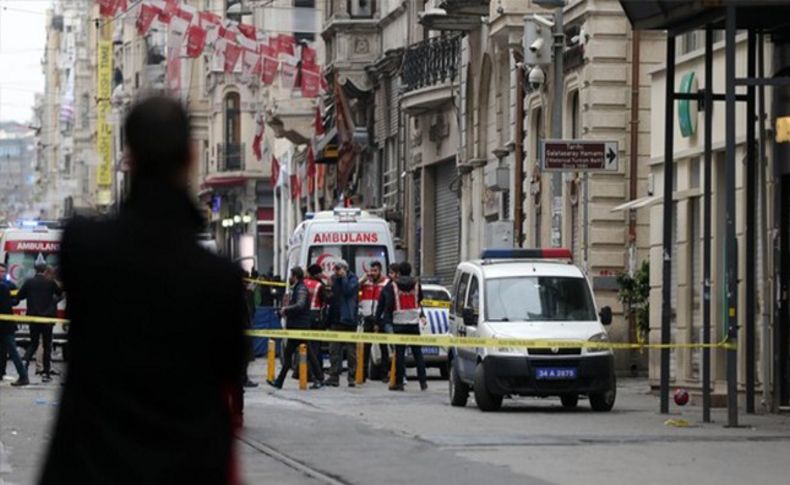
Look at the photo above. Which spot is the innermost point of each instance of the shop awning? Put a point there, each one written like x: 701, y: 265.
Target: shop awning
x: 638, y: 203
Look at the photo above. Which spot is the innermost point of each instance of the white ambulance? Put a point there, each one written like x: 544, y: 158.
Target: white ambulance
x: 21, y: 248
x: 344, y: 233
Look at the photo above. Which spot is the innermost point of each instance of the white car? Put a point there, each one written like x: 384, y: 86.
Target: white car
x: 525, y: 294
x: 436, y: 303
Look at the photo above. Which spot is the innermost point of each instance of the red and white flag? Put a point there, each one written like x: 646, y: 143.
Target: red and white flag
x: 259, y: 131
x: 179, y: 24
x: 147, y: 15
x: 275, y: 175
x: 232, y: 53
x: 249, y: 62
x: 248, y: 31
x: 173, y: 73
x: 308, y: 55
x: 288, y: 71
x: 310, y: 169
x: 166, y: 14
x: 209, y: 18
x: 310, y: 80
x: 196, y: 40
x: 107, y: 7
x: 286, y: 45
x: 270, y: 65
x: 318, y: 122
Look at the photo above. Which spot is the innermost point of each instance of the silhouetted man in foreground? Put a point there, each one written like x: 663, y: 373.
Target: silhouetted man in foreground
x: 156, y: 329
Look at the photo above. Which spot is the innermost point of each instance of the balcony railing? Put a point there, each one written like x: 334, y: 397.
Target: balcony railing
x: 230, y: 157
x: 431, y: 62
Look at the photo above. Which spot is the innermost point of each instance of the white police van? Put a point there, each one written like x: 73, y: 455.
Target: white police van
x: 529, y: 294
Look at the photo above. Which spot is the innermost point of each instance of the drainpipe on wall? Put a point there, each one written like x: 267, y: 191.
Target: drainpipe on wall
x: 634, y: 154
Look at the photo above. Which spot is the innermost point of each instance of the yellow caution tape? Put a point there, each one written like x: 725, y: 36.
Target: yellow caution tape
x: 435, y: 304
x: 262, y: 282
x: 426, y: 340
x: 29, y: 319
x: 466, y: 342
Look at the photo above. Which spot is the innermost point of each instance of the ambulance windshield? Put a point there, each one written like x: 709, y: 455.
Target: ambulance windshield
x: 358, y: 258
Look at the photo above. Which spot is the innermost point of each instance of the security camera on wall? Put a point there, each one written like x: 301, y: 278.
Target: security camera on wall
x: 536, y: 78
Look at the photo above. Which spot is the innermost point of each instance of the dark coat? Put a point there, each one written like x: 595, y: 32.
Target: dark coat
x: 297, y: 313
x: 156, y: 343
x: 42, y: 295
x: 345, y: 292
x: 6, y: 308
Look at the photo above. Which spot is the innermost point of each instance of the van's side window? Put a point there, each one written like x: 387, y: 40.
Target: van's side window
x: 460, y: 293
x: 473, y: 300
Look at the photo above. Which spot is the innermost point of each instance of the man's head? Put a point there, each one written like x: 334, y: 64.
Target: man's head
x: 41, y: 268
x: 393, y: 271
x: 375, y: 270
x: 297, y: 274
x: 341, y: 268
x: 315, y: 270
x: 158, y: 140
x: 404, y: 269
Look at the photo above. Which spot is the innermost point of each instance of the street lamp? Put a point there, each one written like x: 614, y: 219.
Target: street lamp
x: 247, y: 218
x: 236, y: 219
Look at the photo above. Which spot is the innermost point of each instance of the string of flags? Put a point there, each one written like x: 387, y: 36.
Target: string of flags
x: 231, y: 46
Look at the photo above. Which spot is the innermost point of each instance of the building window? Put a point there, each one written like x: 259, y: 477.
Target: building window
x: 304, y: 37
x: 231, y: 155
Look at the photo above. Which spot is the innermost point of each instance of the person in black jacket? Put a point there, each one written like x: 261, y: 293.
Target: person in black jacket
x: 157, y: 347
x: 8, y: 333
x: 298, y: 317
x: 388, y: 308
x: 42, y: 294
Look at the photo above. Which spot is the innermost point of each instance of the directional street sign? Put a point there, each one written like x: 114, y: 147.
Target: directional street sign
x: 578, y: 156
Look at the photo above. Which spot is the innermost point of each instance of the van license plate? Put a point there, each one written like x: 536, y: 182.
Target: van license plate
x: 555, y: 373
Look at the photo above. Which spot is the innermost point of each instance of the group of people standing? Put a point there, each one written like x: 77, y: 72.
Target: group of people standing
x: 42, y: 293
x: 374, y: 303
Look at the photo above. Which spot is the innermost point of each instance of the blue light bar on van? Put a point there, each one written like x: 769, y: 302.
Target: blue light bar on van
x: 522, y: 253
x: 29, y: 223
x: 309, y: 215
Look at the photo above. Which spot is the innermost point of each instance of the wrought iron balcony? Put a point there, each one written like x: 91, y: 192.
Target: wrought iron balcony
x: 230, y: 157
x: 431, y: 62
x: 475, y: 8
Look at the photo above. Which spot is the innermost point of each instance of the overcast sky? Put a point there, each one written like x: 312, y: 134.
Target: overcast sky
x: 22, y: 40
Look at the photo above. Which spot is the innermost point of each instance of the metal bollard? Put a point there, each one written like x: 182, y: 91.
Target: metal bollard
x: 270, y: 358
x: 302, y: 367
x: 393, y: 357
x: 360, y: 376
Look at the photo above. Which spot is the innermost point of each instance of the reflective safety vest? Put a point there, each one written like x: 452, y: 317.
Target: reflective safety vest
x: 314, y: 288
x: 407, y: 306
x: 369, y: 296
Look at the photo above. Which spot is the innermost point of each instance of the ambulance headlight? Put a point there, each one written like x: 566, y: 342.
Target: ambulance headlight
x: 599, y: 338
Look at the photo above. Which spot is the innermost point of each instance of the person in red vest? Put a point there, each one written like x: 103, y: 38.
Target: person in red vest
x: 400, y: 305
x: 319, y: 294
x: 371, y: 284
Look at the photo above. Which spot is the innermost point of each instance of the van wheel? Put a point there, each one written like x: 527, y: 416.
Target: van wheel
x: 604, y: 401
x: 486, y: 401
x: 459, y: 390
x: 569, y: 400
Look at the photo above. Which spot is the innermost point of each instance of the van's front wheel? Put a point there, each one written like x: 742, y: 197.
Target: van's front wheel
x: 485, y: 400
x: 604, y: 401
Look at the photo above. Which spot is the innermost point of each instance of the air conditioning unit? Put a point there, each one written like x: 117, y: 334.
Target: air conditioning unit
x: 362, y: 8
